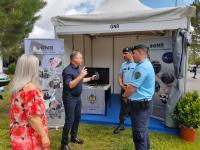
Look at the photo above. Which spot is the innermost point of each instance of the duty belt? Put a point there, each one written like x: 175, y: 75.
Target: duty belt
x: 142, y: 104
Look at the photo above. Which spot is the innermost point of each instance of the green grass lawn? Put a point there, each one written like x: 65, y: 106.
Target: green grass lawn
x: 97, y: 137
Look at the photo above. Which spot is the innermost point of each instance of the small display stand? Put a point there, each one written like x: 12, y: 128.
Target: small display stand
x: 95, y: 99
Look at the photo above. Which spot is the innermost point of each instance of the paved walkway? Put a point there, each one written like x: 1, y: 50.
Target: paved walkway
x: 193, y: 84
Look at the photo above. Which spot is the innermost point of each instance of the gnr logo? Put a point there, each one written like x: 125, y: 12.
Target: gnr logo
x: 114, y: 26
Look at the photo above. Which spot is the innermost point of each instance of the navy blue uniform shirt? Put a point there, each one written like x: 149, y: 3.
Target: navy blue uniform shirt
x: 70, y: 73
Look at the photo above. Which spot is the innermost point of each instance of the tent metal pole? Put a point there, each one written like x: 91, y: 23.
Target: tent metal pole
x: 84, y: 48
x: 92, y: 52
x: 187, y: 59
x: 113, y: 63
x: 72, y: 42
x: 55, y: 34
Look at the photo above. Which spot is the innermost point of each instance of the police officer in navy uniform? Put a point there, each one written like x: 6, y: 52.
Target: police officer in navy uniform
x: 73, y: 78
x: 140, y: 92
x: 124, y: 77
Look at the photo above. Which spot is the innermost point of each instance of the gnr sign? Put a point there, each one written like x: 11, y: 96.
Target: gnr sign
x: 114, y: 26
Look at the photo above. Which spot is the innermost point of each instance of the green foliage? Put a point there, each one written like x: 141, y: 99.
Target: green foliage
x: 197, y: 61
x: 13, y: 53
x: 187, y: 110
x: 17, y: 18
x: 195, y: 46
x: 11, y: 68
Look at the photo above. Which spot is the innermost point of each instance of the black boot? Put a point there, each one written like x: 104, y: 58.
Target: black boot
x: 119, y: 128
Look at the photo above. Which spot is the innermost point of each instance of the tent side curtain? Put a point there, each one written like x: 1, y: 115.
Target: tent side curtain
x: 180, y: 43
x: 154, y: 15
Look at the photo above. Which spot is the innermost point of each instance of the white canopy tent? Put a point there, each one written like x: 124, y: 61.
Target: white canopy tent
x: 120, y: 17
x: 102, y: 34
x: 125, y: 6
x: 130, y: 15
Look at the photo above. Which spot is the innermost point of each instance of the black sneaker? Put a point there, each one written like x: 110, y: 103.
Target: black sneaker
x: 118, y: 129
x: 65, y: 147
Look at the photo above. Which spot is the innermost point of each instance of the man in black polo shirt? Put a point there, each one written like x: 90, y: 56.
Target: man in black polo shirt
x: 73, y: 79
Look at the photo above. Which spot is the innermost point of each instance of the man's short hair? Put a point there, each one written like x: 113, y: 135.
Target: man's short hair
x: 73, y: 54
x: 141, y: 46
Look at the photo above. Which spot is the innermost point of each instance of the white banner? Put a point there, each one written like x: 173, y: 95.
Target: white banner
x: 50, y: 52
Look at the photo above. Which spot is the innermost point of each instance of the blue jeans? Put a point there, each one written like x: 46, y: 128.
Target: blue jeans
x: 72, y: 107
x: 140, y: 118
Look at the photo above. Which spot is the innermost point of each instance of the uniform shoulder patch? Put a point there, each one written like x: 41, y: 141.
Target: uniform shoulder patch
x: 137, y: 75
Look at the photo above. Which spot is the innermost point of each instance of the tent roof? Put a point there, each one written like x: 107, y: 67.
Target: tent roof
x: 113, y: 6
x: 132, y: 16
x: 153, y: 15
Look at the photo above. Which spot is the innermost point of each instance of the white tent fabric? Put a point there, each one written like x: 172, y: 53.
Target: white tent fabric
x: 121, y: 6
x: 122, y: 16
x: 155, y: 15
x: 141, y: 20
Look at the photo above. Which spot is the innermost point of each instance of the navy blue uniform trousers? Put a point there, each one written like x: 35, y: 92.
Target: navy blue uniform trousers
x: 140, y: 118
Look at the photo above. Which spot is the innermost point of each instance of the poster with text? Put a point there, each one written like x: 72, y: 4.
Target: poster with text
x: 49, y: 52
x: 161, y: 57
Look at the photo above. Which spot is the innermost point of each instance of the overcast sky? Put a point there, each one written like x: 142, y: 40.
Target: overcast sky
x: 44, y: 28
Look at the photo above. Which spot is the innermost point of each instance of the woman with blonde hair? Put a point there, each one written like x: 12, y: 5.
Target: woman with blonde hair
x: 28, y: 129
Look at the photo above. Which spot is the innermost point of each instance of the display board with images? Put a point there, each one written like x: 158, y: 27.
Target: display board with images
x: 50, y: 53
x: 161, y: 56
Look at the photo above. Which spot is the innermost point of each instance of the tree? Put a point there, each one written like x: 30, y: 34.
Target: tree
x: 17, y: 18
x: 195, y: 46
x: 197, y: 61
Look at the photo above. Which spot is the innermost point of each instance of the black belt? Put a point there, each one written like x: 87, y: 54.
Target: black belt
x: 70, y: 94
x: 142, y: 104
